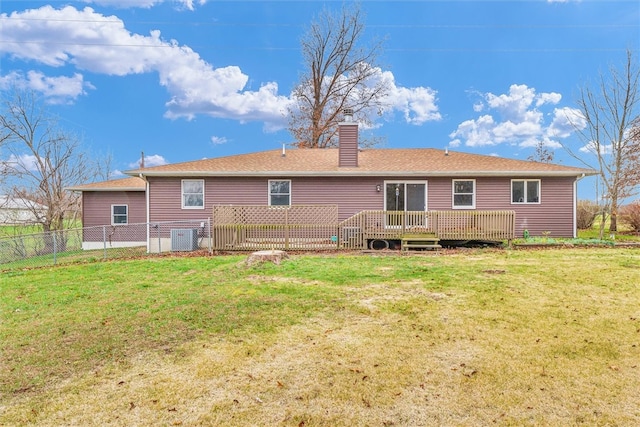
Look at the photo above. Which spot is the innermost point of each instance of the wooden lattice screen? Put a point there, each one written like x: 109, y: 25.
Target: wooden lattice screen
x: 262, y: 215
x: 275, y: 227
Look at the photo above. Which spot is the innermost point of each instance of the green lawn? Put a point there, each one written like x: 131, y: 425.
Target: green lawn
x: 466, y: 337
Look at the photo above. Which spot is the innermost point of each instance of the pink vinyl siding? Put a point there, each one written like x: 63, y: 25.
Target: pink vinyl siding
x: 165, y: 196
x: 359, y: 194
x: 96, y: 211
x: 96, y: 206
x: 554, y: 214
x: 348, y: 150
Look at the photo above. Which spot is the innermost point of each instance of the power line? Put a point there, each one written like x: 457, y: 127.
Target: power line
x: 298, y: 25
x: 297, y: 48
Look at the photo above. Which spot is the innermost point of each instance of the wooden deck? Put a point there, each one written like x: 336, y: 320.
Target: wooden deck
x: 317, y: 228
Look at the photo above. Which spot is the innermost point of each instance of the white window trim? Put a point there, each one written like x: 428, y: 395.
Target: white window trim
x: 453, y: 194
x: 113, y: 214
x: 182, y: 193
x: 524, y: 202
x: 269, y: 192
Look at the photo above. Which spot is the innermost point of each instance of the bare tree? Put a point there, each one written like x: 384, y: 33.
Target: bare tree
x: 42, y: 160
x: 541, y: 154
x: 608, y: 125
x: 339, y: 74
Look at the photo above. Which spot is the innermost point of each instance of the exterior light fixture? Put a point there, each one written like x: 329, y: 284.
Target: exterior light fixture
x: 378, y: 188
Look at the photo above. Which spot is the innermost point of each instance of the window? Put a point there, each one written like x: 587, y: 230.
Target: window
x: 279, y: 193
x: 464, y: 194
x: 119, y: 214
x: 525, y: 191
x: 192, y: 194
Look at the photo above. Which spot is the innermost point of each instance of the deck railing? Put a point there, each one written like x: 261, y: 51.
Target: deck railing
x: 316, y: 227
x: 446, y: 225
x: 474, y: 225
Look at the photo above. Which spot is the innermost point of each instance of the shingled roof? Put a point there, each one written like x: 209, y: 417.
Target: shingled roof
x: 122, y: 184
x: 424, y: 162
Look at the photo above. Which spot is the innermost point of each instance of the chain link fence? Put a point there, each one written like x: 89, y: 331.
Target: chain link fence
x: 92, y: 244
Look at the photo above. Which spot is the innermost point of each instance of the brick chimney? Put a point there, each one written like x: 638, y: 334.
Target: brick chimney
x: 348, y: 141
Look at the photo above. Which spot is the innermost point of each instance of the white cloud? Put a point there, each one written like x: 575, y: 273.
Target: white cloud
x: 548, y: 98
x: 56, y: 90
x: 507, y: 131
x: 593, y: 147
x: 101, y: 44
x: 515, y: 104
x: 155, y: 160
x: 565, y: 121
x: 23, y: 162
x: 219, y: 140
x: 418, y: 104
x: 145, y: 4
x: 516, y: 118
x: 149, y: 161
x: 475, y: 132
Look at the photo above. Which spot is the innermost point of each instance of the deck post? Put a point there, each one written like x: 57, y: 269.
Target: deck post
x: 286, y: 229
x: 403, y: 221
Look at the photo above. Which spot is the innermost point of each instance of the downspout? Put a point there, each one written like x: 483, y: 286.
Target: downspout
x: 146, y: 202
x: 575, y: 205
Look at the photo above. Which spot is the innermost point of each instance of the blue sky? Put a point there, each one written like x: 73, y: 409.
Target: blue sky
x: 183, y: 80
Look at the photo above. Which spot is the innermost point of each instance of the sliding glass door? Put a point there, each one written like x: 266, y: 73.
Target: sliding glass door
x: 406, y: 196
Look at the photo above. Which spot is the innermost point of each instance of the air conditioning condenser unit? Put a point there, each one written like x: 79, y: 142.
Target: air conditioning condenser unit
x: 184, y: 239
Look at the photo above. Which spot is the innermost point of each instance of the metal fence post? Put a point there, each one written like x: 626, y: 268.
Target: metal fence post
x: 55, y: 244
x: 209, y: 234
x: 104, y: 242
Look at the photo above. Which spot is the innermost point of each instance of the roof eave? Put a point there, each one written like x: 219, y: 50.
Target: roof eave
x: 354, y: 173
x: 105, y: 189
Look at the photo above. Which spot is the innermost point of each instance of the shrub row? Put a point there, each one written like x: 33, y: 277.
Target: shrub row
x: 629, y: 215
x: 586, y: 214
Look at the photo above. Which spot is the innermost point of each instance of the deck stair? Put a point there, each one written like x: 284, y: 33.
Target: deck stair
x: 420, y: 241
